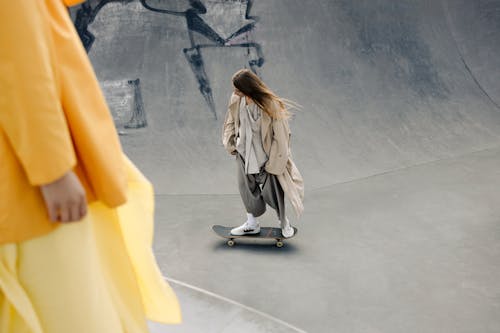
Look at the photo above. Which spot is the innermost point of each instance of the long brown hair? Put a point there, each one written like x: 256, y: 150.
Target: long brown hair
x: 252, y: 86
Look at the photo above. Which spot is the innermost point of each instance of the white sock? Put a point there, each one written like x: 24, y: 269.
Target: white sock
x: 285, y: 223
x: 252, y: 220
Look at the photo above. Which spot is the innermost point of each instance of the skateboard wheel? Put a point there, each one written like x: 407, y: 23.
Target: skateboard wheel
x: 279, y: 244
x: 230, y: 242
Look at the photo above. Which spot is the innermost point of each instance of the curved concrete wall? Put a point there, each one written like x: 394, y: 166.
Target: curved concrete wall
x: 384, y: 85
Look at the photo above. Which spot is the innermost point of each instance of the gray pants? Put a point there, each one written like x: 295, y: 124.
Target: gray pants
x: 258, y: 189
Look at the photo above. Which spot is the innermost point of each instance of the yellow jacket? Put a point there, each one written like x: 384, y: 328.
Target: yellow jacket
x: 53, y: 118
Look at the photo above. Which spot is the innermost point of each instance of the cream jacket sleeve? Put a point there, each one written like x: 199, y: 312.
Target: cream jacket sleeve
x: 229, y: 127
x: 278, y: 155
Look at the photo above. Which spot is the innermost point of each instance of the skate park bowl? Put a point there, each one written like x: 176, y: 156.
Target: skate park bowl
x: 397, y: 138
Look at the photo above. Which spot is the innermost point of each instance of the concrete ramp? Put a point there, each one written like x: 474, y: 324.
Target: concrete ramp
x: 475, y: 27
x: 384, y: 85
x: 398, y: 140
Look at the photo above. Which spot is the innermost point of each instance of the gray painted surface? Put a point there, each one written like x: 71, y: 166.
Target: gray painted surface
x: 398, y: 141
x: 203, y: 313
x: 475, y: 26
x: 382, y: 85
x: 416, y: 250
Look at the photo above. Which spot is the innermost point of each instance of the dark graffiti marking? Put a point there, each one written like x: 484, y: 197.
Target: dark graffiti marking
x: 86, y: 15
x: 200, y: 21
x: 124, y: 99
x: 138, y: 119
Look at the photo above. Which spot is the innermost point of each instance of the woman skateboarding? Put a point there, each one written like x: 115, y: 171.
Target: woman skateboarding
x: 256, y: 131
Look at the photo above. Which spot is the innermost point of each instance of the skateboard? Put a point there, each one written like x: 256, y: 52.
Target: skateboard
x: 265, y: 233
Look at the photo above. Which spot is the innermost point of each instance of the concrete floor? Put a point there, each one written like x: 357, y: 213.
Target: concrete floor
x: 411, y: 250
x: 207, y: 312
x: 398, y: 141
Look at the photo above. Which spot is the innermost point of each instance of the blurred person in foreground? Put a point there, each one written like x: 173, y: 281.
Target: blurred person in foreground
x: 76, y: 216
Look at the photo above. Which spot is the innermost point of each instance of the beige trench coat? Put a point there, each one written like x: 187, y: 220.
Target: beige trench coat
x: 276, y: 143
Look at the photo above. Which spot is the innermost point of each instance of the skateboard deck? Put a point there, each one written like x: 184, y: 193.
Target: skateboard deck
x: 265, y: 233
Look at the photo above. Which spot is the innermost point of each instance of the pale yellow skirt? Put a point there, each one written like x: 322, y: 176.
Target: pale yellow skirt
x: 94, y: 276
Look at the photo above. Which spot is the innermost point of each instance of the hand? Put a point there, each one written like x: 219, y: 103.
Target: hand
x: 65, y: 199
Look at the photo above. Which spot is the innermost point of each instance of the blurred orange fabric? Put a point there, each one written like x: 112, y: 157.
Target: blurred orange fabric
x: 53, y: 117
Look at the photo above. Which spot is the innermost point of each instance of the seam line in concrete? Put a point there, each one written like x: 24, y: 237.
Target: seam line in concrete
x: 406, y: 168
x: 230, y: 301
x: 347, y: 181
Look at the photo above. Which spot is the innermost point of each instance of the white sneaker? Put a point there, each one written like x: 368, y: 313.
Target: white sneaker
x: 246, y: 229
x: 286, y: 229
